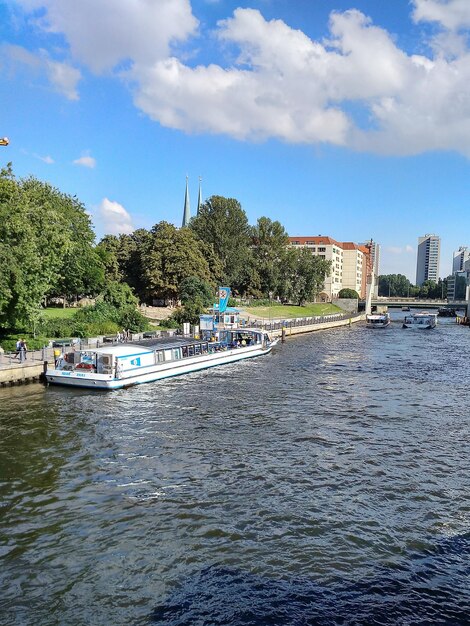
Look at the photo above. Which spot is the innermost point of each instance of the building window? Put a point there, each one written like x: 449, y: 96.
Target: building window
x: 321, y: 249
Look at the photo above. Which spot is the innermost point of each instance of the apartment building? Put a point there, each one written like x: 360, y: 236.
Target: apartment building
x: 348, y: 263
x: 427, y: 262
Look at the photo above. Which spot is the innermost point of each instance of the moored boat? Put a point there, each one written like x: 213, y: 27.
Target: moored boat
x: 420, y: 321
x: 378, y: 320
x: 123, y: 365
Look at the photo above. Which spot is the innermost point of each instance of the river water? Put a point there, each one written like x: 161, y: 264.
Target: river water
x: 326, y: 483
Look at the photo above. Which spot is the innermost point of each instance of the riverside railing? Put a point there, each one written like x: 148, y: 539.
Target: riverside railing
x: 301, y: 321
x: 48, y: 353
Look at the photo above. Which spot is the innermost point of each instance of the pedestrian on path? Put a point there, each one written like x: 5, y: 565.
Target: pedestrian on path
x: 23, y: 350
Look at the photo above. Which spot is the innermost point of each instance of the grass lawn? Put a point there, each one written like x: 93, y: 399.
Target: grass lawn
x: 58, y: 313
x: 285, y: 312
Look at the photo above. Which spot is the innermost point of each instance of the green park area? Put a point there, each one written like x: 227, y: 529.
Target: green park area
x: 58, y: 313
x: 290, y: 311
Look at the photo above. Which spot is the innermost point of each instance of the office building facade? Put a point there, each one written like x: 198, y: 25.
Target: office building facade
x: 427, y: 263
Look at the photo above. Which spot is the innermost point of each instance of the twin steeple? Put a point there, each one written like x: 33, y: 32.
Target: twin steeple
x: 187, y: 209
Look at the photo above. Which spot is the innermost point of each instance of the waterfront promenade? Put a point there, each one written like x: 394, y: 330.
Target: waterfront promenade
x: 13, y: 371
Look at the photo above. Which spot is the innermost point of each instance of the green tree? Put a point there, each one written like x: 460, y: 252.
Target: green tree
x: 108, y: 250
x: 193, y: 288
x: 119, y: 295
x: 395, y: 286
x: 269, y: 243
x: 169, y: 256
x: 303, y: 275
x: 223, y: 224
x: 348, y: 293
x: 47, y: 242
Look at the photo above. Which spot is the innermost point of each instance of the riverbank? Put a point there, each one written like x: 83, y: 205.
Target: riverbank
x: 12, y: 372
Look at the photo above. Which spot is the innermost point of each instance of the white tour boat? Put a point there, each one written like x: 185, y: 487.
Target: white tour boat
x: 420, y: 321
x: 122, y: 365
x: 378, y: 320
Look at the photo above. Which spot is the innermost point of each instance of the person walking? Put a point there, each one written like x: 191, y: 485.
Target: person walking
x: 23, y: 350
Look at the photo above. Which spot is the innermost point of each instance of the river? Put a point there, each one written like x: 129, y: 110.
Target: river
x: 326, y: 483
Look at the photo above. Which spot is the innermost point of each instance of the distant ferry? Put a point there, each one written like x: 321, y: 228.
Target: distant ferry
x: 378, y: 320
x: 420, y: 321
x: 123, y: 365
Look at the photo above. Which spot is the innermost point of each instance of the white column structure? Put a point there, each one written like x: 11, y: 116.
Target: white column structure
x: 370, y: 292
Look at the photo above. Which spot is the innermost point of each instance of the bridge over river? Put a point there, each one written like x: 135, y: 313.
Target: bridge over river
x: 417, y: 303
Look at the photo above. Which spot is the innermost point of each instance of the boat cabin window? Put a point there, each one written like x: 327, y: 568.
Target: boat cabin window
x: 190, y: 350
x: 197, y: 349
x: 176, y: 353
x: 167, y: 355
x: 160, y: 356
x: 184, y: 351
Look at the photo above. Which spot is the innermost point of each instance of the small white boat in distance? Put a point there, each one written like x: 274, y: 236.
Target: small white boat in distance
x: 123, y: 365
x: 420, y: 321
x: 378, y: 320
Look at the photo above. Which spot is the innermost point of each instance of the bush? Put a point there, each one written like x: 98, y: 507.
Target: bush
x: 8, y: 342
x: 348, y: 293
x: 132, y: 319
x: 119, y: 295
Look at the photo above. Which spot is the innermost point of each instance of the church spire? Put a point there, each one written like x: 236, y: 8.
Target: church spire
x: 199, y: 199
x: 187, y: 211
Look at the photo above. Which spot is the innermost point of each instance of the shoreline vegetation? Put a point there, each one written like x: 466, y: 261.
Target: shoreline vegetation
x: 49, y: 253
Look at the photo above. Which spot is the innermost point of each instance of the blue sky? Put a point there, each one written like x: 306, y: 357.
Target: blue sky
x: 342, y: 118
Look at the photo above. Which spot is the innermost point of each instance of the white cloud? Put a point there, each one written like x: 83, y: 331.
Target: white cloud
x: 46, y: 159
x: 114, y: 218
x: 61, y: 75
x: 409, y: 249
x: 452, y: 14
x: 105, y: 33
x: 86, y: 161
x: 64, y: 77
x: 282, y: 83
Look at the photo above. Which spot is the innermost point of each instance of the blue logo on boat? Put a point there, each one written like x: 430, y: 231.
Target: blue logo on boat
x: 136, y: 361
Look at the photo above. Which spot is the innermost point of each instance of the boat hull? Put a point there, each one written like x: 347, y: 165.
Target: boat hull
x: 154, y: 372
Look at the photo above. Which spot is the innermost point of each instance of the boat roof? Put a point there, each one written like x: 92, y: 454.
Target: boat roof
x: 147, y: 345
x: 143, y: 345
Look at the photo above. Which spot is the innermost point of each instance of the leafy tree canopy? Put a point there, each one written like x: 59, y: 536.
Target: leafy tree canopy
x: 348, y: 293
x: 223, y: 224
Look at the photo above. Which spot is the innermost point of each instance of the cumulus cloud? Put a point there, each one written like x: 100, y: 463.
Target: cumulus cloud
x: 105, y: 33
x: 452, y: 14
x: 281, y: 83
x: 85, y: 161
x: 63, y: 76
x: 114, y: 218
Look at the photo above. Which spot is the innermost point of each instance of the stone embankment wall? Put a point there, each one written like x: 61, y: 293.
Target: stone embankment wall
x: 21, y: 374
x: 310, y: 328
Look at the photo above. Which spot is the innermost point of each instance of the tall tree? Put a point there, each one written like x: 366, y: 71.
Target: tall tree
x: 302, y: 275
x: 269, y: 243
x: 223, y: 224
x: 169, y: 256
x: 40, y: 229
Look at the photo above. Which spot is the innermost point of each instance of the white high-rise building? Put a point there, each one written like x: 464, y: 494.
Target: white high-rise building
x: 460, y: 256
x: 427, y: 263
